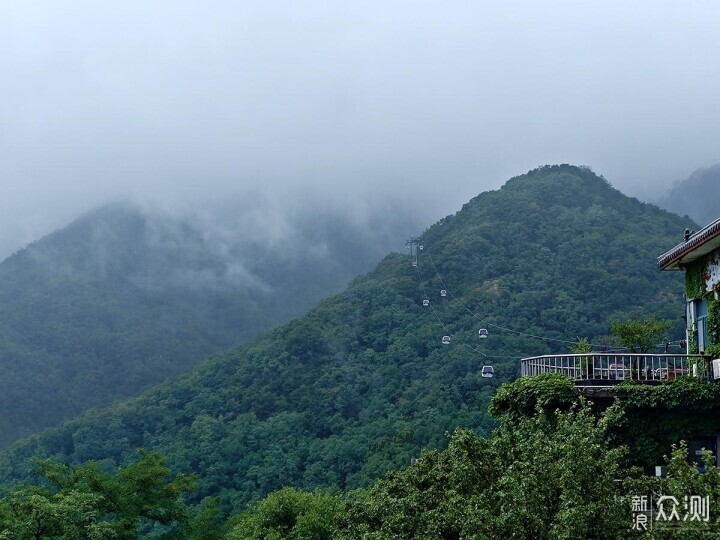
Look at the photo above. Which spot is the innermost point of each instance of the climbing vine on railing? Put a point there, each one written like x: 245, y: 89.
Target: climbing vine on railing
x: 523, y: 397
x: 678, y: 393
x: 651, y: 417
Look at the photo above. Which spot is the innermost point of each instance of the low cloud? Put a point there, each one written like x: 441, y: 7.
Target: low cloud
x: 422, y: 106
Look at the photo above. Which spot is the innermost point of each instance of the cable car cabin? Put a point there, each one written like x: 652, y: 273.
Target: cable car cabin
x: 414, y: 263
x: 446, y: 340
x: 487, y: 371
x: 443, y: 292
x: 426, y: 303
x: 482, y: 333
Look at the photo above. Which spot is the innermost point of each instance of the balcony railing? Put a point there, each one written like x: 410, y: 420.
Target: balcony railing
x: 607, y: 369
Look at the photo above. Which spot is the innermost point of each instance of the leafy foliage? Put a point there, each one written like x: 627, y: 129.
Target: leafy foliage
x: 288, y: 514
x: 654, y: 417
x: 534, y: 479
x: 639, y: 336
x: 583, y: 346
x: 547, y: 475
x: 525, y: 396
x: 713, y: 328
x: 684, y: 480
x: 658, y: 416
x: 695, y: 279
x: 87, y: 502
x: 356, y: 387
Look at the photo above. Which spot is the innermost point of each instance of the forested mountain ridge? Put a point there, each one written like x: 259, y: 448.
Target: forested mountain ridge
x: 359, y: 384
x: 697, y: 196
x: 124, y: 297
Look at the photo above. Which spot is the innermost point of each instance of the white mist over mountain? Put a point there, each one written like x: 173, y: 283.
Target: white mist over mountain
x: 420, y: 105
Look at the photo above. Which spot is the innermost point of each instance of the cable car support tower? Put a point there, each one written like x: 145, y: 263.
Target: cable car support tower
x: 414, y: 246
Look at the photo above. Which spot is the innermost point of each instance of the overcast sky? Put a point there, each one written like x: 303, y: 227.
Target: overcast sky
x: 433, y: 102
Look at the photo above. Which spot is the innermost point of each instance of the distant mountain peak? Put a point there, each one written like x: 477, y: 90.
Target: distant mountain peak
x: 560, y: 176
x: 696, y: 196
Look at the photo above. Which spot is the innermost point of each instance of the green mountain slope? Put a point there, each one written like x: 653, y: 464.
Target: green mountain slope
x: 121, y: 299
x: 360, y: 383
x: 697, y: 196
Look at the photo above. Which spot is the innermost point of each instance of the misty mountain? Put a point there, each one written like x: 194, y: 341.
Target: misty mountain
x: 125, y: 297
x: 359, y: 384
x: 698, y: 196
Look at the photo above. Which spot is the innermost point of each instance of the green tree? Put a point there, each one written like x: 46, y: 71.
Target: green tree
x: 35, y: 512
x: 581, y: 346
x: 87, y: 502
x: 641, y: 335
x: 289, y: 514
x: 207, y: 522
x: 542, y: 477
x: 684, y: 480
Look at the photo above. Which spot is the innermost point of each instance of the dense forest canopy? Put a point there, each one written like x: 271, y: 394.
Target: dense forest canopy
x: 357, y: 386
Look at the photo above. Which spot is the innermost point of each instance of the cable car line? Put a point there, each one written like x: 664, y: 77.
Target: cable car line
x: 545, y: 338
x: 449, y: 334
x: 449, y: 291
x: 445, y: 329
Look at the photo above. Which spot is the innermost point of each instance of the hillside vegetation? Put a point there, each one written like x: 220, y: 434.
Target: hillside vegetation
x: 551, y: 470
x: 123, y: 298
x: 357, y: 386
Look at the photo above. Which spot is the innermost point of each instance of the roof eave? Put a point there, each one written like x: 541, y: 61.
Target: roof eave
x: 699, y: 244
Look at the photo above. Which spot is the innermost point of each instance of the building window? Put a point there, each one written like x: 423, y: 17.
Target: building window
x: 698, y: 316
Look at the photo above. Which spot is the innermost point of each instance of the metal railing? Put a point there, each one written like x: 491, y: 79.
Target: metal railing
x: 616, y: 367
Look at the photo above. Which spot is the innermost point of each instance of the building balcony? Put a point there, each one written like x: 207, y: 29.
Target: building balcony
x: 598, y: 370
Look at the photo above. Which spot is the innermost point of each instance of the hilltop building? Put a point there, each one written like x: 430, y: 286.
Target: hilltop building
x: 699, y: 256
